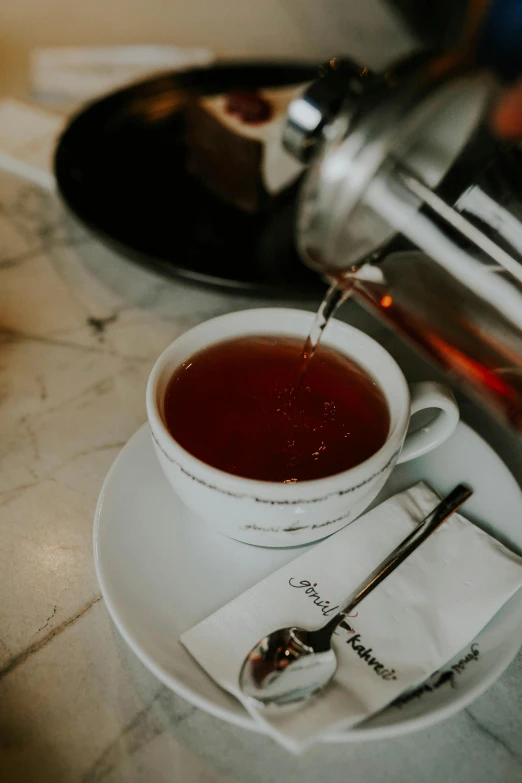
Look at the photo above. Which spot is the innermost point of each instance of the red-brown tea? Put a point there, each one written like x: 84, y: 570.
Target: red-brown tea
x: 230, y: 405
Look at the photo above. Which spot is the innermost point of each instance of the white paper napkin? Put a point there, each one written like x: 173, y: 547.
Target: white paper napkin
x: 28, y: 137
x: 419, y: 618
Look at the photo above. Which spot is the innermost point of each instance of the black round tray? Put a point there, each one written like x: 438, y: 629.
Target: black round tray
x: 120, y: 168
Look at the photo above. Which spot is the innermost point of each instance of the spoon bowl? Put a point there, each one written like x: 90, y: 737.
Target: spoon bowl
x: 286, y: 667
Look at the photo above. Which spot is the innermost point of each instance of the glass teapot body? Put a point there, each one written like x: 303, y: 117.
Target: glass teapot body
x: 415, y: 207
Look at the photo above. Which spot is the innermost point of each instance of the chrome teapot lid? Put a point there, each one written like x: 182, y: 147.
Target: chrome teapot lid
x: 380, y: 144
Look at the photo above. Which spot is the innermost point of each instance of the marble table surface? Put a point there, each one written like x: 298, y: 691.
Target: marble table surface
x: 79, y: 330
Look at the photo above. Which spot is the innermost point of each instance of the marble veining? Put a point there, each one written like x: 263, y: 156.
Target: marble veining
x: 79, y: 331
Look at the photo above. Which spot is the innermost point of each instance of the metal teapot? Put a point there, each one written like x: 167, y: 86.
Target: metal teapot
x: 413, y: 205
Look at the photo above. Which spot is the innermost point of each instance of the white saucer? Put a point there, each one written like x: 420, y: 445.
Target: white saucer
x: 162, y: 570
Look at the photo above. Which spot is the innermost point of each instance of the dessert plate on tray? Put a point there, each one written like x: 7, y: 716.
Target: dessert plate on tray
x: 121, y: 168
x: 162, y: 570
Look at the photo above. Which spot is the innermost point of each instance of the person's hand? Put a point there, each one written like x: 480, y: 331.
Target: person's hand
x: 506, y: 120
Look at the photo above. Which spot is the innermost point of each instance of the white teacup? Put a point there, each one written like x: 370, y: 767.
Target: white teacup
x: 277, y: 514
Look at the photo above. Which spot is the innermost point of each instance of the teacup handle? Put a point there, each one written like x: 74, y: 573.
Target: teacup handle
x: 429, y: 394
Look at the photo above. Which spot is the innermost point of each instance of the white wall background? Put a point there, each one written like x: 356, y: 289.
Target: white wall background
x: 290, y: 28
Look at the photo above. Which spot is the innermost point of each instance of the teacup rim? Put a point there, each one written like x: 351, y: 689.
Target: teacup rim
x: 387, y: 453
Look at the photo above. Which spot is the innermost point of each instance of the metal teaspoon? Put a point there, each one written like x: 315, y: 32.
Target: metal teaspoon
x: 293, y: 664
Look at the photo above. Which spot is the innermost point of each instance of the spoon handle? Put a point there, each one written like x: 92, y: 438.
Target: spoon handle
x: 424, y: 529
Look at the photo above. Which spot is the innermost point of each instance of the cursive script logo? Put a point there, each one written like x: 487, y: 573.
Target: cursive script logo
x: 440, y: 678
x: 471, y: 656
x: 311, y: 592
x: 366, y: 653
